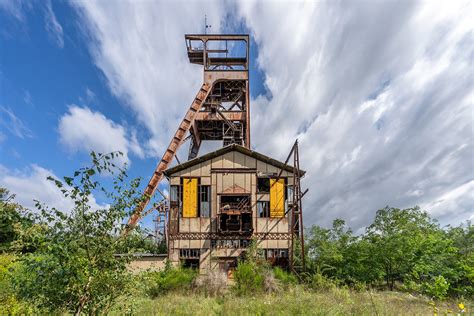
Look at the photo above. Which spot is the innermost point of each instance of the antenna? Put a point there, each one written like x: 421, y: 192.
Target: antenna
x: 206, y: 26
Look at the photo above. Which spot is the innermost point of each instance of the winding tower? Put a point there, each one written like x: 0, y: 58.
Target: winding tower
x: 221, y: 109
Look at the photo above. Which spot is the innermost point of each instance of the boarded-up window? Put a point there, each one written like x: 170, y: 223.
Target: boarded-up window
x: 190, y: 197
x: 277, y: 197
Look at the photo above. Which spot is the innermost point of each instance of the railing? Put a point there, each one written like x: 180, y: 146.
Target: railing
x: 235, y: 207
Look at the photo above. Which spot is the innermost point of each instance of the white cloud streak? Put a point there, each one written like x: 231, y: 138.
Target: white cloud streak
x: 140, y: 48
x: 83, y: 130
x: 54, y: 29
x: 379, y: 94
x: 15, y: 8
x: 32, y: 184
x: 9, y: 121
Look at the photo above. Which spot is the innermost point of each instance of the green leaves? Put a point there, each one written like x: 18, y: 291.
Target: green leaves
x: 73, y: 266
x: 399, y: 247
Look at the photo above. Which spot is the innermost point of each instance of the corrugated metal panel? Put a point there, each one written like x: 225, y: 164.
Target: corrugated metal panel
x: 277, y: 198
x: 190, y: 195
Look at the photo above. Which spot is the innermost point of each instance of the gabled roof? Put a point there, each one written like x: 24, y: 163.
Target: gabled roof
x: 226, y: 149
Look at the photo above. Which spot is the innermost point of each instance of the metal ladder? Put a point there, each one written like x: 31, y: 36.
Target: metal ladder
x: 170, y: 152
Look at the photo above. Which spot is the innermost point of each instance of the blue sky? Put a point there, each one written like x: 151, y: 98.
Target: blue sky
x: 367, y: 88
x: 43, y: 75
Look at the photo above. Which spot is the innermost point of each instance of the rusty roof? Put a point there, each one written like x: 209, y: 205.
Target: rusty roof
x: 230, y: 148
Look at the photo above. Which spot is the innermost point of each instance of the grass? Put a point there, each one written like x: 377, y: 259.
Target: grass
x: 295, y: 301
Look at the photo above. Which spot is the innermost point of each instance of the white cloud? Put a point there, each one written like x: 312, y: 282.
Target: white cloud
x: 9, y: 121
x: 15, y: 8
x: 83, y: 130
x: 379, y: 95
x: 54, y: 29
x: 140, y: 48
x: 32, y: 184
x: 460, y: 199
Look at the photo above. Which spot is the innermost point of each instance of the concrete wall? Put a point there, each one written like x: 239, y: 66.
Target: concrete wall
x: 147, y: 263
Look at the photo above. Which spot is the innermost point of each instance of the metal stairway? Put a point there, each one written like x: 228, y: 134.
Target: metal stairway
x: 170, y: 152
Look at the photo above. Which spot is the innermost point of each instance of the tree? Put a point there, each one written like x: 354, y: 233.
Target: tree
x: 330, y: 250
x: 460, y: 269
x: 74, y: 268
x: 403, y: 241
x: 12, y: 219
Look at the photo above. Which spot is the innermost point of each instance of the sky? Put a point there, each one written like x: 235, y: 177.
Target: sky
x: 378, y: 93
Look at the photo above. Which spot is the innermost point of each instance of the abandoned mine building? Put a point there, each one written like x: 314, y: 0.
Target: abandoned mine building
x: 220, y: 201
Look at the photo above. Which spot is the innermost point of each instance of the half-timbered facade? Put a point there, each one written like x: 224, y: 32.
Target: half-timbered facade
x: 222, y: 200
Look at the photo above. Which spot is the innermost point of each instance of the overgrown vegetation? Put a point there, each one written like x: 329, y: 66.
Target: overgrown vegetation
x: 171, y: 279
x: 402, y: 249
x: 63, y: 261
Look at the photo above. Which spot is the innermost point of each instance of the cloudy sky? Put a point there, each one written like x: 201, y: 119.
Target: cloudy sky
x: 379, y: 94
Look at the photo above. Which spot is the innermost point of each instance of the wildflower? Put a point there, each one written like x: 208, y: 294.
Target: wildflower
x: 461, y: 306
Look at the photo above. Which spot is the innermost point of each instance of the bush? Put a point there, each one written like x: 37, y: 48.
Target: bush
x: 170, y: 279
x: 212, y: 284
x: 284, y: 277
x: 9, y: 303
x: 249, y: 278
x: 411, y: 287
x: 321, y: 283
x: 438, y: 288
x: 270, y: 283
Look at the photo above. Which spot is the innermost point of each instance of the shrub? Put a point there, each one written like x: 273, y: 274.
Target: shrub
x: 438, y: 288
x: 411, y: 287
x: 212, y: 284
x: 249, y: 278
x: 9, y: 303
x: 284, y: 277
x: 170, y: 279
x: 270, y: 283
x: 320, y: 283
x: 73, y: 267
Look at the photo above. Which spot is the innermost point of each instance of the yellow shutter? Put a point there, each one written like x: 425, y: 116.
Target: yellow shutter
x: 190, y: 195
x: 277, y: 198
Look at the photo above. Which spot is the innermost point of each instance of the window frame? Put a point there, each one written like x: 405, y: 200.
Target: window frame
x: 265, y: 211
x: 201, y: 194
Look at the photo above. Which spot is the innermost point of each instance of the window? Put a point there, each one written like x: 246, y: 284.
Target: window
x: 230, y: 243
x: 277, y: 257
x: 190, y: 258
x: 290, y: 194
x: 174, y: 193
x: 263, y: 185
x: 263, y: 209
x: 189, y: 253
x: 204, y: 200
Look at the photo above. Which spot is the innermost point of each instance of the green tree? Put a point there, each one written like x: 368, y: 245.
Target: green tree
x: 139, y: 241
x: 460, y: 269
x: 12, y: 220
x: 74, y: 268
x: 403, y: 241
x: 327, y: 247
